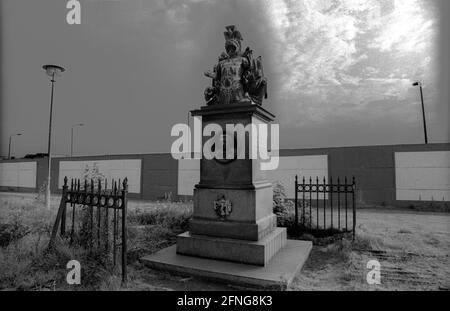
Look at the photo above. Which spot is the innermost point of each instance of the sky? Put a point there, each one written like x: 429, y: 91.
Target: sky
x: 340, y: 72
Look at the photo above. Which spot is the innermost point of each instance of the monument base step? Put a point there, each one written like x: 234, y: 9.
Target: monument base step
x: 241, y: 251
x: 277, y: 274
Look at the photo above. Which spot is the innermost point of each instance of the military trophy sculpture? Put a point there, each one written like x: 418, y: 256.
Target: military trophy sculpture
x: 237, y: 77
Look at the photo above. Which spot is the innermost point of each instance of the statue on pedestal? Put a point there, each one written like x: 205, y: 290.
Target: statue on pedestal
x: 237, y: 77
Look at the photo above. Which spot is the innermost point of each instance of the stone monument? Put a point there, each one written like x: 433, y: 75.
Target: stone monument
x: 233, y: 229
x: 233, y: 218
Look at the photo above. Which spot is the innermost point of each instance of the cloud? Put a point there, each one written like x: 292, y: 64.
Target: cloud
x: 405, y: 29
x: 317, y: 39
x: 342, y: 57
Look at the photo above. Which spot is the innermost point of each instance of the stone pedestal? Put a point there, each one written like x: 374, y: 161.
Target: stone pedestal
x: 233, y: 218
x: 233, y: 237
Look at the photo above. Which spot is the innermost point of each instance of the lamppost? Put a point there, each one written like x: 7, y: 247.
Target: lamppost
x: 71, y: 137
x: 9, y: 149
x: 190, y: 136
x: 419, y: 84
x: 52, y: 71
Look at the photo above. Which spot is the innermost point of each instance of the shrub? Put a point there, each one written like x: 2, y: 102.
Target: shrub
x: 285, y: 208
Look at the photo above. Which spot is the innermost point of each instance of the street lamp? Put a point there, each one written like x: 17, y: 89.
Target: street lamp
x: 71, y: 137
x: 419, y: 84
x: 9, y: 149
x: 52, y: 71
x: 190, y: 136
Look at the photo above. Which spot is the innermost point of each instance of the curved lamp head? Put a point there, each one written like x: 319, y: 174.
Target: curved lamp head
x: 53, y: 70
x: 417, y: 84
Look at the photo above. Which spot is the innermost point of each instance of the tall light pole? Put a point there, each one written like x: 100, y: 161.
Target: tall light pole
x: 190, y: 136
x: 71, y: 137
x: 419, y: 84
x: 52, y: 71
x: 9, y: 149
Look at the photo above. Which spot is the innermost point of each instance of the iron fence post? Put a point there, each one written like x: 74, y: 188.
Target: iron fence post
x: 303, y: 202
x: 63, y: 215
x: 124, y: 231
x: 346, y: 204
x: 317, y: 202
x: 331, y: 202
x: 296, y: 200
x: 310, y: 202
x: 339, y: 202
x: 354, y: 207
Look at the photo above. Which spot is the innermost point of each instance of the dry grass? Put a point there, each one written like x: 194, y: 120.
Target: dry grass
x: 27, y: 264
x: 413, y: 249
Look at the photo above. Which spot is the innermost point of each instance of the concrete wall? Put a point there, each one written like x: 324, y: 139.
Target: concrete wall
x: 188, y: 176
x: 105, y: 169
x: 303, y: 166
x: 422, y: 176
x: 18, y: 174
x: 383, y: 173
x: 152, y: 176
x: 22, y: 175
x: 373, y: 167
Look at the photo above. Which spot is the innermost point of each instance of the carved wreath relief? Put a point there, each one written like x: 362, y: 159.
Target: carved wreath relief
x: 223, y: 207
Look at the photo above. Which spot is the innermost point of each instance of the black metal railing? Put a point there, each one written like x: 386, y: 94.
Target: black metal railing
x: 98, y: 222
x: 324, y: 206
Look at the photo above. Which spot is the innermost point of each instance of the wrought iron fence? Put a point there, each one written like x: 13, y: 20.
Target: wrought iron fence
x: 94, y: 220
x: 324, y: 206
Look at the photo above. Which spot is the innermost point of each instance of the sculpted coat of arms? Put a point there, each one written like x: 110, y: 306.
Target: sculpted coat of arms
x: 237, y: 77
x: 223, y: 207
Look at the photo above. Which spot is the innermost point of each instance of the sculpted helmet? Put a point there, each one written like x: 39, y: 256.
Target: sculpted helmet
x: 233, y: 40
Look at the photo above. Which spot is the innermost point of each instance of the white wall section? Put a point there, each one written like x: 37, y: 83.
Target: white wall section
x: 422, y: 176
x: 307, y: 166
x: 109, y: 169
x: 188, y: 176
x: 18, y: 174
x: 303, y: 166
